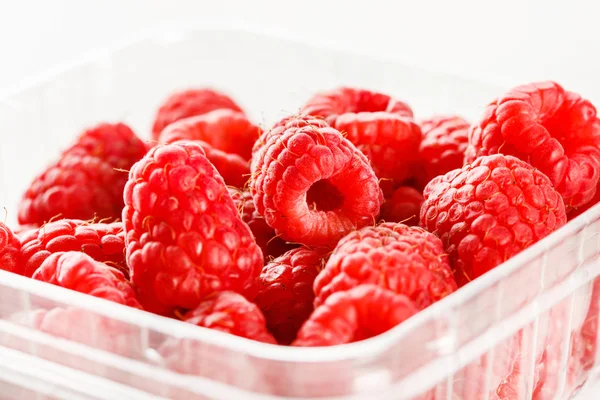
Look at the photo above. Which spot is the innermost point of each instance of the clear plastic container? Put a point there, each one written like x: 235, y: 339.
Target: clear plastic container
x: 524, y: 327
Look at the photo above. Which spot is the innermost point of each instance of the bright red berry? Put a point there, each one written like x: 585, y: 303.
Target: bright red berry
x: 406, y: 260
x: 379, y: 126
x: 488, y: 211
x: 103, y: 242
x: 292, y: 121
x: 403, y: 206
x: 77, y: 271
x: 231, y: 313
x: 356, y: 314
x: 10, y: 250
x: 233, y: 168
x: 445, y: 140
x: 223, y: 129
x: 185, y: 239
x: 554, y: 130
x: 272, y: 246
x: 87, y: 181
x: 188, y: 103
x: 285, y: 290
x: 313, y: 186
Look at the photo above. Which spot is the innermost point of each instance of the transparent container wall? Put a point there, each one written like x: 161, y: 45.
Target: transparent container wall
x: 529, y: 329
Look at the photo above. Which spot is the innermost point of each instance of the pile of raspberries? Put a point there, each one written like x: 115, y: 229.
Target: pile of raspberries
x: 331, y: 226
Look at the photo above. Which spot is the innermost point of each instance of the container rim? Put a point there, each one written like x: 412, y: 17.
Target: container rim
x: 374, y: 346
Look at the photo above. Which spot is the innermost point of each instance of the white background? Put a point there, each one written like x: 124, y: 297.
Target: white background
x: 506, y: 41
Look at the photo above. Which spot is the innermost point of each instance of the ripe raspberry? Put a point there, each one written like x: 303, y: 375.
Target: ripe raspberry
x: 223, y: 129
x: 103, y: 242
x: 185, y: 239
x: 292, y: 121
x: 188, y: 103
x: 488, y: 211
x: 231, y: 313
x: 379, y: 126
x: 406, y: 260
x: 77, y: 271
x: 577, y: 211
x: 85, y: 182
x: 554, y: 130
x: 271, y: 245
x: 313, y: 186
x: 356, y: 314
x: 445, y: 140
x: 10, y: 250
x: 285, y: 293
x: 403, y: 206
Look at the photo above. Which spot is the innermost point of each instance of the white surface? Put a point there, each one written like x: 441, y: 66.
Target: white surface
x: 507, y: 42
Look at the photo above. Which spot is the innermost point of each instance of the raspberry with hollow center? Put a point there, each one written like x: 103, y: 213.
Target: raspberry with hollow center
x: 490, y: 210
x: 10, y: 251
x: 103, y: 242
x: 379, y: 126
x: 272, y: 246
x: 554, y: 130
x: 356, y: 314
x: 87, y: 181
x: 403, y: 206
x: 185, y: 239
x: 189, y: 103
x: 223, y: 129
x: 231, y: 313
x: 445, y: 140
x: 77, y: 271
x: 406, y: 260
x: 285, y: 293
x: 313, y: 186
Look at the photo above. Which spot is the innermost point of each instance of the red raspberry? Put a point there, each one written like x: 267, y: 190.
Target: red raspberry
x: 356, y: 314
x: 554, y: 130
x: 488, y: 211
x: 313, y: 186
x: 85, y: 182
x: 445, y: 140
x: 233, y: 168
x: 185, y: 239
x: 285, y: 293
x: 577, y: 211
x: 272, y: 246
x: 226, y: 130
x: 379, y: 126
x: 188, y: 103
x: 292, y: 121
x: 403, y: 206
x: 10, y: 250
x: 406, y: 260
x: 77, y: 271
x: 231, y: 313
x: 103, y: 242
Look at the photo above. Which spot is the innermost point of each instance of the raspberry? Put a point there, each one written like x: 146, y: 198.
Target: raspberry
x: 185, y: 239
x: 292, y: 121
x: 379, y: 126
x: 313, y: 186
x: 233, y: 168
x: 488, y: 211
x: 445, y: 140
x: 103, y: 242
x: 577, y: 211
x: 85, y: 182
x: 403, y: 206
x: 271, y: 245
x: 10, y: 250
x: 231, y: 313
x: 226, y: 130
x: 285, y: 293
x: 78, y: 271
x: 357, y: 314
x: 554, y: 130
x: 189, y: 103
x: 406, y: 260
